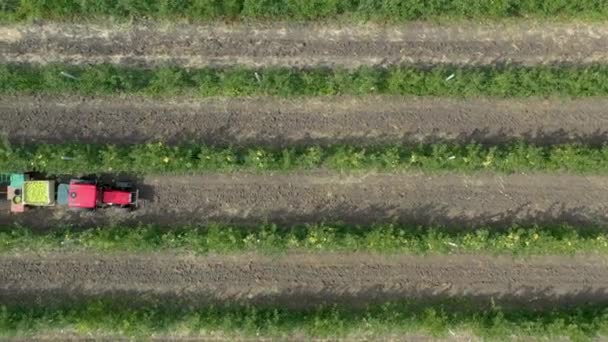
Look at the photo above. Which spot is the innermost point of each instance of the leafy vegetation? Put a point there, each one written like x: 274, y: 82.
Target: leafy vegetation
x: 503, y: 81
x: 379, y: 238
x: 160, y: 158
x: 398, y: 318
x: 393, y: 10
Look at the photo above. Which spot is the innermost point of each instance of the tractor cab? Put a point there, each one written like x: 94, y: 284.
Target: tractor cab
x: 79, y: 194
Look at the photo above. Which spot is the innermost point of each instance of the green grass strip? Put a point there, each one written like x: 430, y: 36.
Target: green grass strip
x: 393, y: 10
x: 505, y: 81
x: 379, y: 238
x: 158, y: 158
x: 397, y: 319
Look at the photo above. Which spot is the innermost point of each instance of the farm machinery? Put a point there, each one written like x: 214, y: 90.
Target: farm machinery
x: 24, y: 191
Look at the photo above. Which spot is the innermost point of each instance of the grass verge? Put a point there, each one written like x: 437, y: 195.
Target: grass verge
x: 504, y: 81
x: 104, y: 318
x: 159, y: 158
x: 380, y: 238
x: 393, y: 10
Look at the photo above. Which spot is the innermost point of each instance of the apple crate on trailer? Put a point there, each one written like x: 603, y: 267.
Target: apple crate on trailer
x: 24, y: 192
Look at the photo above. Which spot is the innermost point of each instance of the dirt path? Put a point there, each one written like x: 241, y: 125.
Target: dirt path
x: 305, y: 45
x: 277, y: 122
x: 461, y: 201
x: 300, y: 280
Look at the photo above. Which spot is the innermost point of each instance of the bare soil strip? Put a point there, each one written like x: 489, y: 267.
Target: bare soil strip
x: 301, y: 45
x: 301, y: 280
x: 281, y: 122
x: 460, y: 201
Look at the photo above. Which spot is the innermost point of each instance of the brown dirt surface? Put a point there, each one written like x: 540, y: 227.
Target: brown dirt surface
x: 301, y: 45
x: 303, y: 280
x: 280, y: 122
x: 458, y: 200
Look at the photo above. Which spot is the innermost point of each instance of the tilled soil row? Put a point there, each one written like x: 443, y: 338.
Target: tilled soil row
x: 303, y: 280
x: 281, y: 122
x: 303, y: 45
x: 456, y: 200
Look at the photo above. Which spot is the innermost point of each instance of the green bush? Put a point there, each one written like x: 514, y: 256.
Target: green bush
x: 382, y: 10
x: 504, y: 81
x: 155, y: 158
x: 96, y: 318
x: 379, y: 238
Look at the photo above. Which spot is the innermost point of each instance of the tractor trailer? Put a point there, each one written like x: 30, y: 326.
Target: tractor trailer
x: 24, y: 192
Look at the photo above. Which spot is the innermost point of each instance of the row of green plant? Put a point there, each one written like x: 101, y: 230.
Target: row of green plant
x: 161, y: 158
x: 393, y: 10
x: 408, y: 318
x: 505, y: 81
x: 379, y: 238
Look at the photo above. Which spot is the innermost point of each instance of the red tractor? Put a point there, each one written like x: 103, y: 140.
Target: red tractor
x: 88, y: 194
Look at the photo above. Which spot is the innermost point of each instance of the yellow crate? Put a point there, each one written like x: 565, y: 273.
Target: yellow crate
x: 38, y: 193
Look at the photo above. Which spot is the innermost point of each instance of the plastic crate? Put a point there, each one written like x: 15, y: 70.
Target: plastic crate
x: 46, y: 189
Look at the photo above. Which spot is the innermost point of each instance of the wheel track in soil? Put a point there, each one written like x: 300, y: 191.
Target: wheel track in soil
x: 304, y: 45
x: 303, y: 280
x: 287, y: 122
x: 460, y: 201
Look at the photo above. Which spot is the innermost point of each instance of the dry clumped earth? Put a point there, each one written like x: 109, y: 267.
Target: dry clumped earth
x: 303, y: 45
x: 301, y: 121
x: 304, y: 280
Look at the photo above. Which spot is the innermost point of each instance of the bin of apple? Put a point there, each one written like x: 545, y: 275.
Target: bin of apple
x: 36, y: 193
